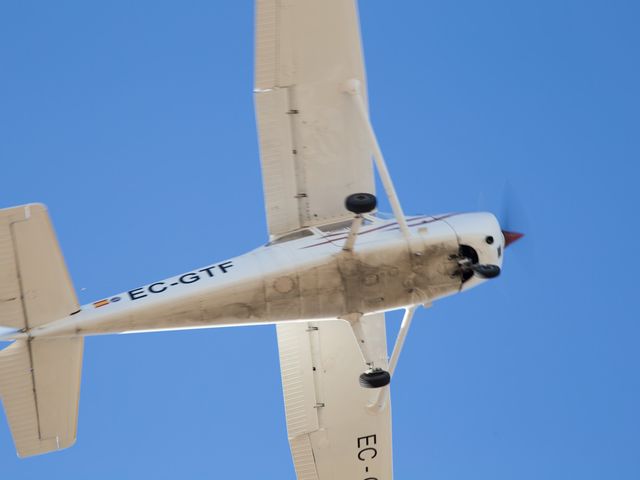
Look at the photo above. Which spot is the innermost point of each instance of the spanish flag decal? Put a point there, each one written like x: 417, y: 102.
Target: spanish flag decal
x: 101, y: 303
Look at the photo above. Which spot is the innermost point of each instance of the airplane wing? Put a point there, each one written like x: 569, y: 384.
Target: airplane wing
x: 313, y: 152
x: 333, y: 432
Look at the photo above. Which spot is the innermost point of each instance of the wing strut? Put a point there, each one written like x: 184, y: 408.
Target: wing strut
x: 353, y: 88
x: 383, y: 395
x: 402, y: 334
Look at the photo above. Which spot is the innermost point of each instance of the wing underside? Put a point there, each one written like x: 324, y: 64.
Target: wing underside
x: 313, y: 151
x: 333, y: 432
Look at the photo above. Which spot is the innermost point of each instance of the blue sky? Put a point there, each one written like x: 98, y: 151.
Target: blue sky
x: 134, y: 124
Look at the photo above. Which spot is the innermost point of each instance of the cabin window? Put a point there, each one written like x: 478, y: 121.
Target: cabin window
x: 292, y: 236
x: 384, y: 215
x: 345, y: 226
x: 332, y: 227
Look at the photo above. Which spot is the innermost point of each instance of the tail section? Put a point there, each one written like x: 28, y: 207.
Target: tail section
x: 39, y: 378
x: 35, y: 287
x: 40, y: 388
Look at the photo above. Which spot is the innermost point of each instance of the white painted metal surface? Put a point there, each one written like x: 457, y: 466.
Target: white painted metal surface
x: 309, y: 278
x: 303, y: 276
x: 39, y: 380
x: 315, y: 152
x: 35, y: 287
x: 331, y: 432
x: 40, y: 389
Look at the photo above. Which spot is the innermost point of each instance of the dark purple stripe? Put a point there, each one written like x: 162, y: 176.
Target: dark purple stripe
x: 381, y: 227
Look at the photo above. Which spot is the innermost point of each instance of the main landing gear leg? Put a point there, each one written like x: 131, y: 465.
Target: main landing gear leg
x: 373, y: 377
x: 357, y: 203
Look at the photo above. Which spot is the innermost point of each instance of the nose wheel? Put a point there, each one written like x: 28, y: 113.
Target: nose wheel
x: 466, y: 270
x: 468, y: 265
x: 486, y: 270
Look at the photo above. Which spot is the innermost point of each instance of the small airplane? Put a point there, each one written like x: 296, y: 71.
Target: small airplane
x: 332, y: 268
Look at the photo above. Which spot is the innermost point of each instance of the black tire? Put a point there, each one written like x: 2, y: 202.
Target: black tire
x: 375, y: 379
x: 486, y: 271
x: 361, y: 203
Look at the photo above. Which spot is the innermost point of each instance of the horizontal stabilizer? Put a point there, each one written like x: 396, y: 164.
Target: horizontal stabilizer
x: 39, y: 378
x: 35, y: 287
x: 40, y: 389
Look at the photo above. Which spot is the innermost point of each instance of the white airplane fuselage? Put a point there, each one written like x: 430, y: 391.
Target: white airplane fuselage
x: 307, y: 278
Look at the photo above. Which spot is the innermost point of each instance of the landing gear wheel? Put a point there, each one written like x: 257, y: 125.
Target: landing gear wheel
x: 486, y: 271
x: 375, y: 378
x: 360, y: 203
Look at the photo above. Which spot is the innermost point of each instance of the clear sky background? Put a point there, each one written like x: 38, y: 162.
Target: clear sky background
x: 133, y: 122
